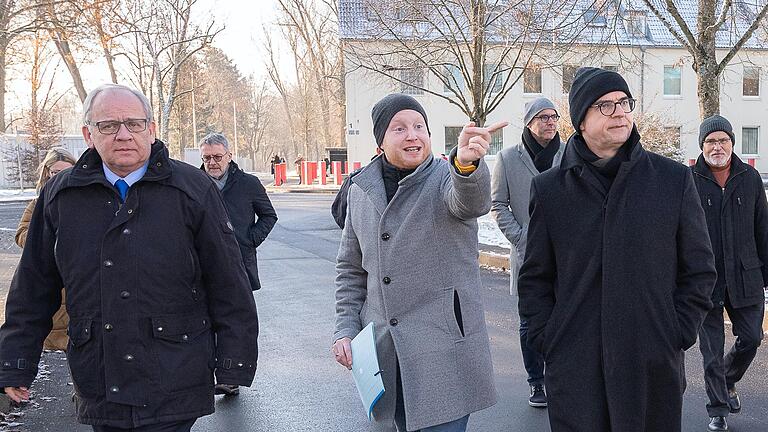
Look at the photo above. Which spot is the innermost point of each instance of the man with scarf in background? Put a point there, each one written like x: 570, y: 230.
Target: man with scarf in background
x: 618, y: 271
x: 515, y: 167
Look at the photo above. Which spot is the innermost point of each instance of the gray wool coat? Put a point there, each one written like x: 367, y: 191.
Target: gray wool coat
x: 406, y: 266
x: 510, y: 199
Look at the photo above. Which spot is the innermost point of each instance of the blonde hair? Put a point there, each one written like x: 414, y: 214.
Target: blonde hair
x: 54, y: 155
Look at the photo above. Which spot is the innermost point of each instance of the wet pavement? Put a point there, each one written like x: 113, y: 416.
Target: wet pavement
x: 299, y: 387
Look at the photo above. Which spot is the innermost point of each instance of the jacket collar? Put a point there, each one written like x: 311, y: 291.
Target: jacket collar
x: 370, y: 180
x: 88, y: 169
x: 572, y: 159
x: 233, y: 171
x: 522, y: 153
x: 701, y: 168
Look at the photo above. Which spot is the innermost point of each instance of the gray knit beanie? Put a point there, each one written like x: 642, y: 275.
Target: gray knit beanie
x: 714, y: 124
x: 385, y: 109
x: 536, y: 106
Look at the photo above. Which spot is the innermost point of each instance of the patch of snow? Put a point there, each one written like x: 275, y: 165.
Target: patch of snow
x: 17, y: 194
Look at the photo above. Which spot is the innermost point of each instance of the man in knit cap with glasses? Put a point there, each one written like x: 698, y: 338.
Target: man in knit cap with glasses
x: 515, y: 167
x: 735, y: 206
x: 618, y: 270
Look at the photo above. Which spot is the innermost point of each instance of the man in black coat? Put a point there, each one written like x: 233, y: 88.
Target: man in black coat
x: 735, y: 206
x: 618, y: 271
x: 155, y: 287
x: 244, y: 196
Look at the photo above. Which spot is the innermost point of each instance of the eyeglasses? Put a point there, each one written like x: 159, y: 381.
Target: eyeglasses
x: 607, y: 108
x: 216, y: 158
x: 721, y: 142
x: 547, y: 118
x: 110, y: 127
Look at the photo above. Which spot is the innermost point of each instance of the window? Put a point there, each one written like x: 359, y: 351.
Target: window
x: 532, y: 80
x: 613, y: 68
x: 498, y: 82
x: 454, y: 81
x: 635, y: 23
x: 497, y: 142
x: 412, y: 80
x: 672, y: 80
x: 749, y: 137
x: 411, y: 10
x: 569, y: 71
x: 593, y: 18
x: 451, y: 138
x: 751, y: 84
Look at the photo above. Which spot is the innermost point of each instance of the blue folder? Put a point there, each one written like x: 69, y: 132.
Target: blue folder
x: 365, y: 368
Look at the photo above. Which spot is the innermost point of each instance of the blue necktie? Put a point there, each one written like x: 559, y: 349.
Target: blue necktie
x: 122, y: 187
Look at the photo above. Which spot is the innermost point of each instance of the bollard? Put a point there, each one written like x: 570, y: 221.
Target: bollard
x: 322, y: 173
x: 278, y: 176
x: 356, y: 165
x: 283, y: 173
x: 302, y: 172
x: 346, y: 167
x: 691, y: 162
x: 337, y: 172
x: 311, y: 172
x: 751, y: 162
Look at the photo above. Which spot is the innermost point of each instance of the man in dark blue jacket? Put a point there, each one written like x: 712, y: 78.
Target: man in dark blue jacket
x: 735, y: 206
x: 244, y: 196
x: 155, y: 287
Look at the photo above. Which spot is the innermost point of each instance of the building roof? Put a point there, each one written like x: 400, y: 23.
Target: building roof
x: 636, y: 24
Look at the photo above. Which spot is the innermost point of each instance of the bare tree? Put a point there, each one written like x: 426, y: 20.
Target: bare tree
x: 477, y: 49
x: 166, y: 36
x: 17, y: 17
x: 701, y: 41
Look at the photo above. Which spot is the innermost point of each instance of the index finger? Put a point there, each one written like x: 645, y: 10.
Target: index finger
x: 498, y: 125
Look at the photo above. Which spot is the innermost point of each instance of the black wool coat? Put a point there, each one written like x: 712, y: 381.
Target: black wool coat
x: 155, y: 288
x: 737, y: 219
x: 244, y: 197
x: 615, y: 286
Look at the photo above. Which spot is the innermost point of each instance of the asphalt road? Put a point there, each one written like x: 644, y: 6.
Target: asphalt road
x: 299, y: 387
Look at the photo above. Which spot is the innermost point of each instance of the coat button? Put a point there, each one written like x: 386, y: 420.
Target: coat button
x: 128, y: 357
x: 130, y: 211
x: 185, y: 338
x: 721, y: 302
x: 385, y: 236
x: 125, y: 294
x: 386, y: 280
x: 127, y: 231
x: 108, y: 327
x: 114, y: 389
x: 159, y: 329
x: 393, y: 322
x: 108, y: 263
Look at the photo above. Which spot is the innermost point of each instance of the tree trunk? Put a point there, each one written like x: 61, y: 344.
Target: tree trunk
x: 708, y: 87
x: 62, y: 45
x: 2, y: 87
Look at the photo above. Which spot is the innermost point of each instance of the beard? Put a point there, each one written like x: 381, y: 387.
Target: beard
x: 717, y: 161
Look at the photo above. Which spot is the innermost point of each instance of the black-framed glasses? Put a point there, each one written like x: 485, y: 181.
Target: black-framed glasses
x: 547, y: 118
x: 607, y: 108
x: 110, y: 127
x: 216, y: 158
x: 721, y: 142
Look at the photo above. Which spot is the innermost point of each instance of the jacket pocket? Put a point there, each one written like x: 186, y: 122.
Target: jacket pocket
x: 752, y: 275
x: 85, y: 360
x: 183, y: 348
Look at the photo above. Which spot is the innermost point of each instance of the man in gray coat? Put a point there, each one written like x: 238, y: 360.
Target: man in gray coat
x: 539, y: 150
x: 424, y: 300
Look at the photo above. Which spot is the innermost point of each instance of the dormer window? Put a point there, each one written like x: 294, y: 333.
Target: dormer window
x: 594, y: 18
x: 636, y: 23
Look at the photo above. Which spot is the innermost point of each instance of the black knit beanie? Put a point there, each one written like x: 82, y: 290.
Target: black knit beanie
x: 714, y: 124
x: 386, y: 108
x: 589, y: 85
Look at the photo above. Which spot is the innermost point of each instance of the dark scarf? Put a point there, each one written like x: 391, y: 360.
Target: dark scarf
x: 392, y: 176
x: 606, y: 169
x: 543, y: 157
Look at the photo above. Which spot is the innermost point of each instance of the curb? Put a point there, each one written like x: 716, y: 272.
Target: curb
x: 278, y: 189
x: 494, y: 260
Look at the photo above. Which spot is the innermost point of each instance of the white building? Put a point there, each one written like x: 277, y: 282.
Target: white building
x: 660, y: 78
